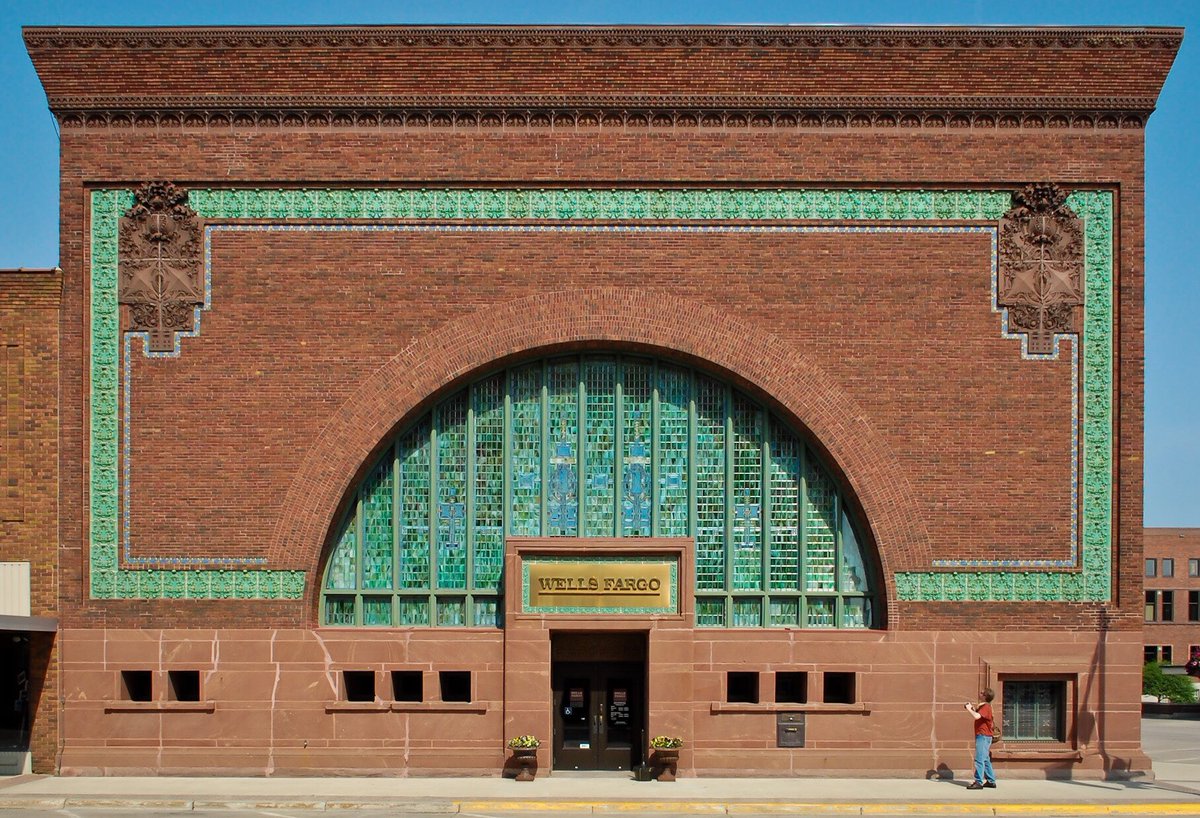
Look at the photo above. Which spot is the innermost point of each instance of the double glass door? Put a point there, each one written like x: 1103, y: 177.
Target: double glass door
x: 599, y: 715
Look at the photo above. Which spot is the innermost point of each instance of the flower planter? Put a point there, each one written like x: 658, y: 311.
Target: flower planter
x: 667, y: 761
x: 526, y: 758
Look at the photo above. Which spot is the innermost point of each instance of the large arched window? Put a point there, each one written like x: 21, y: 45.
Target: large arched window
x: 598, y: 446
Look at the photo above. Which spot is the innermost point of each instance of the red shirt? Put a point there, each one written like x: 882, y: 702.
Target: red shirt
x: 984, y: 726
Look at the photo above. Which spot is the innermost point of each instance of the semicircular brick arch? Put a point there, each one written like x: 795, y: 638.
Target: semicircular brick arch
x: 598, y: 317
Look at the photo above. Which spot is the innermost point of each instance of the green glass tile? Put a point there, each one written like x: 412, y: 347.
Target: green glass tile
x: 342, y: 573
x: 377, y: 610
x: 487, y: 401
x: 562, y: 473
x: 784, y: 476
x: 747, y: 613
x: 710, y: 612
x: 674, y: 398
x: 600, y: 376
x: 451, y: 612
x: 451, y: 417
x: 636, y: 473
x: 414, y: 610
x: 487, y: 612
x: 525, y: 450
x: 413, y: 571
x: 339, y: 610
x: 785, y: 612
x: 819, y: 613
x: 819, y: 559
x: 377, y: 526
x: 856, y: 612
x: 747, y: 497
x: 710, y: 484
x: 853, y: 575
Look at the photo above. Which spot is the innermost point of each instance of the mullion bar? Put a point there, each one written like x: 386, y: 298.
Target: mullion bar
x: 802, y: 525
x: 359, y: 532
x: 469, y: 487
x: 581, y: 520
x: 618, y: 447
x: 544, y: 423
x: 655, y: 512
x: 730, y: 555
x: 433, y: 504
x: 764, y: 513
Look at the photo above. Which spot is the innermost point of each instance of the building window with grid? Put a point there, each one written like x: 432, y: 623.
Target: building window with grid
x: 1151, y: 567
x: 1194, y: 568
x: 599, y: 445
x: 1035, y: 710
x: 1193, y: 606
x: 1166, y: 655
x: 1151, y: 606
x: 1149, y: 654
x: 1168, y: 567
x: 1167, y: 606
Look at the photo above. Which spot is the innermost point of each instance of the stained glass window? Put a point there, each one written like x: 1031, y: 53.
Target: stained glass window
x: 598, y: 446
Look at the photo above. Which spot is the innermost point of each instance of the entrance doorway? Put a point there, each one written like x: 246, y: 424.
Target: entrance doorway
x: 599, y: 702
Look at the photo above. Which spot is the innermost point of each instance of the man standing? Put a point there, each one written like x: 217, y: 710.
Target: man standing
x: 985, y: 727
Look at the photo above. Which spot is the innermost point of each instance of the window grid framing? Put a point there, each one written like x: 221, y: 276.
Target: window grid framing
x: 729, y: 598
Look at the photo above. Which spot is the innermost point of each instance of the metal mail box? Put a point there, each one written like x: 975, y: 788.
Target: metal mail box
x: 789, y: 730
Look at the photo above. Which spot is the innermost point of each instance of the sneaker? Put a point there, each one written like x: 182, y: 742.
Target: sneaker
x: 991, y: 785
x: 974, y: 785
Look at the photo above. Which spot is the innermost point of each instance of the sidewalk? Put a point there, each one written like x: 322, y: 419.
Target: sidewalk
x: 607, y: 793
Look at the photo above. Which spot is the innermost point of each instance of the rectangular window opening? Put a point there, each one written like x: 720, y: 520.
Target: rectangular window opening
x: 741, y: 686
x: 183, y: 685
x: 1151, y: 606
x: 1168, y: 606
x: 359, y: 685
x: 408, y: 686
x: 455, y: 685
x: 1168, y: 567
x: 1151, y: 567
x: 137, y: 685
x: 1167, y: 655
x: 1194, y: 568
x: 839, y: 687
x: 791, y: 687
x: 1149, y: 654
x: 1035, y: 710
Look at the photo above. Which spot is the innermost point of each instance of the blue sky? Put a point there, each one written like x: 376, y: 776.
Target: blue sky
x: 29, y: 150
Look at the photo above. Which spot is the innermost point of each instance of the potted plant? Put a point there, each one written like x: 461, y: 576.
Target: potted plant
x: 525, y: 752
x: 666, y: 755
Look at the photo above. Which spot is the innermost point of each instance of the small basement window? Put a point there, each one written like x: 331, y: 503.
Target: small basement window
x: 137, y: 685
x: 408, y: 686
x: 359, y: 685
x: 839, y: 687
x: 1035, y: 710
x: 456, y: 685
x: 183, y: 685
x: 791, y: 687
x: 741, y: 686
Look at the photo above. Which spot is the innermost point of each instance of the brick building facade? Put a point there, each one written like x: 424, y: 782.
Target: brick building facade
x: 1172, y: 576
x: 773, y: 388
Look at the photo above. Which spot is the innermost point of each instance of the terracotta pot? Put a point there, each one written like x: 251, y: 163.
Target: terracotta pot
x: 527, y: 762
x: 667, y: 760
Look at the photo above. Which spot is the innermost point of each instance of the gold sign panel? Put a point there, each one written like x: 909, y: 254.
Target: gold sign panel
x: 600, y: 586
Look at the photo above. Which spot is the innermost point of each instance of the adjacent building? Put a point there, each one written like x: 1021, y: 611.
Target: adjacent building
x: 774, y: 388
x: 1172, y: 575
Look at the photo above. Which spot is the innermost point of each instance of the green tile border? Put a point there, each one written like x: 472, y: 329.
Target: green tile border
x: 109, y: 580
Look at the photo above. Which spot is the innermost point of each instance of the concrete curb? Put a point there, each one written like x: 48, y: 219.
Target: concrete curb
x: 434, y: 806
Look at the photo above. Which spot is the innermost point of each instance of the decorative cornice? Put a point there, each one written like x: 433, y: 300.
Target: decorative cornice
x: 650, y: 37
x: 623, y: 111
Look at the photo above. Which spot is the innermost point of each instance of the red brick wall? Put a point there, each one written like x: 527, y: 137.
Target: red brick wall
x: 29, y: 312
x: 902, y: 310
